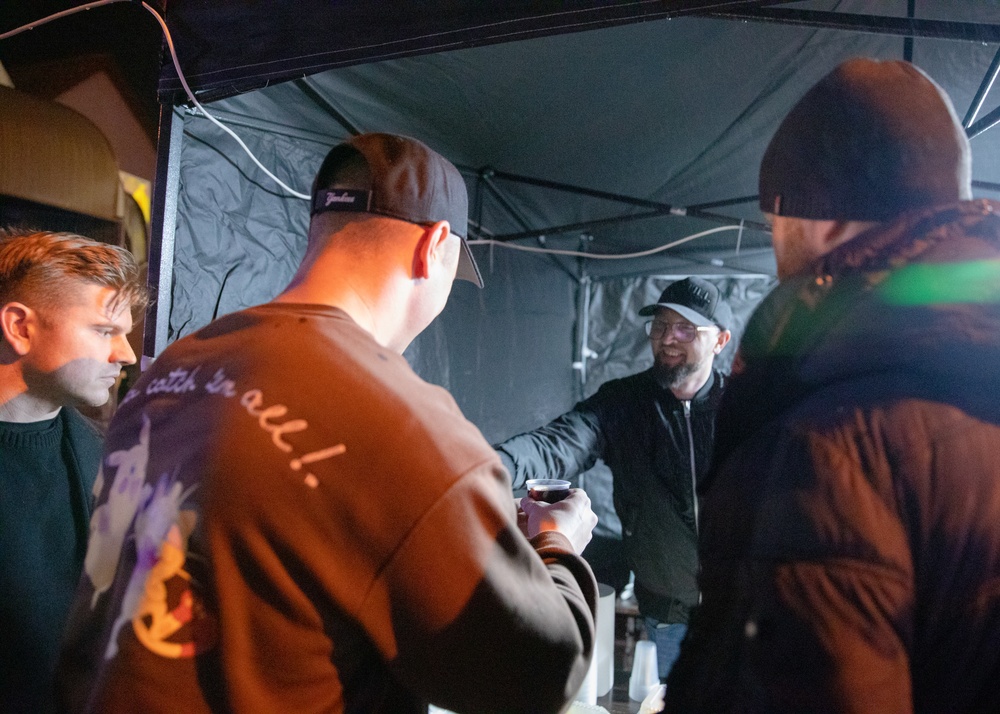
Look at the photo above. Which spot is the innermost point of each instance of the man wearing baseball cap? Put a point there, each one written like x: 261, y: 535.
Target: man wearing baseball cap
x: 289, y: 520
x: 654, y: 430
x: 850, y: 539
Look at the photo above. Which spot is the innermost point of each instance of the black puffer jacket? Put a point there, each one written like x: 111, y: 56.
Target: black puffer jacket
x: 851, y: 534
x: 641, y: 431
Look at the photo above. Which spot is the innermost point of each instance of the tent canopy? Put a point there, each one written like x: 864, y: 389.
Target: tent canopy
x: 597, y: 127
x: 231, y: 48
x: 660, y: 117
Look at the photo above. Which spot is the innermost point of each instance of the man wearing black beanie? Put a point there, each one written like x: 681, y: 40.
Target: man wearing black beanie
x: 850, y: 541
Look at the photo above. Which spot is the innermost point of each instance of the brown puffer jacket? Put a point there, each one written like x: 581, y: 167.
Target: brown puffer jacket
x: 850, y: 545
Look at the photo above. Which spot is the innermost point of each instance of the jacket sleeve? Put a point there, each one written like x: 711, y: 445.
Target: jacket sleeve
x: 485, y: 620
x: 564, y: 448
x: 807, y: 584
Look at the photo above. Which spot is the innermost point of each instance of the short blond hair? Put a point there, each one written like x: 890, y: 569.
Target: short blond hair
x: 39, y: 268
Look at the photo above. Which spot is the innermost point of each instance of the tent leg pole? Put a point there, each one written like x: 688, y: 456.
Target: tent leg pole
x: 583, y: 331
x: 583, y: 317
x: 911, y: 9
x: 164, y: 223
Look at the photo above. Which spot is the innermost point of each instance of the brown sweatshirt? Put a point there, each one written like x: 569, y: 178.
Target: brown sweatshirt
x: 290, y: 520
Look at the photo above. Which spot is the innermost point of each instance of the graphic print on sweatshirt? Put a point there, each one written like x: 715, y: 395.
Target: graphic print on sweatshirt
x: 160, y: 599
x: 145, y: 511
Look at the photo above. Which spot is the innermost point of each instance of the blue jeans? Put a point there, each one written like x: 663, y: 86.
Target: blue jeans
x: 668, y: 642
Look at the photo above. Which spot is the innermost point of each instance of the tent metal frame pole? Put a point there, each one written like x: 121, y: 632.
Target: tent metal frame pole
x: 911, y: 11
x: 628, y: 218
x: 504, y: 202
x: 583, y: 225
x: 659, y: 208
x: 583, y: 323
x: 737, y: 272
x: 988, y: 185
x: 618, y: 197
x: 323, y: 103
x: 512, y: 210
x: 987, y: 122
x: 984, y: 89
x: 723, y: 203
x: 875, y: 24
x: 163, y: 221
x: 579, y: 190
x: 490, y: 172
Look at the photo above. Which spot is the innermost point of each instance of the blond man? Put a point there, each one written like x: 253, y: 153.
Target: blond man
x: 65, y: 309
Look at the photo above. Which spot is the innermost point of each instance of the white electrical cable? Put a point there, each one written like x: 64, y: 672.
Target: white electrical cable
x: 190, y: 95
x: 603, y: 256
x: 180, y: 76
x: 56, y: 16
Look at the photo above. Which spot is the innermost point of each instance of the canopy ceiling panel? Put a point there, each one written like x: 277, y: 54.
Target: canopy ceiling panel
x: 236, y: 46
x: 673, y: 112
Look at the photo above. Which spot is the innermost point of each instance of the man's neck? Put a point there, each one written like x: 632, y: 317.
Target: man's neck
x: 17, y: 403
x: 24, y: 410
x: 377, y: 300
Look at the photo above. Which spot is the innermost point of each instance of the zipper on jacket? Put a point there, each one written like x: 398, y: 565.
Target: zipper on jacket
x: 694, y: 476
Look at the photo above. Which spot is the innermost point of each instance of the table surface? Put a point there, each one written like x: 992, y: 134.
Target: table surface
x: 616, y: 703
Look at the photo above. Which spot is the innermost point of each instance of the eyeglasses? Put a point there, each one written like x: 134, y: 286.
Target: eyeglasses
x: 681, y: 331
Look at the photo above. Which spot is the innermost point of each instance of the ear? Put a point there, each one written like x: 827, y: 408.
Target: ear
x: 17, y: 325
x: 722, y: 341
x: 430, y: 247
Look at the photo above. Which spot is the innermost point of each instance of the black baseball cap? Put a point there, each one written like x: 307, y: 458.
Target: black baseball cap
x: 405, y: 179
x: 697, y: 301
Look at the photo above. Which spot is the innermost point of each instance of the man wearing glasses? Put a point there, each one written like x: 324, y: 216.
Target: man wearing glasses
x: 655, y: 431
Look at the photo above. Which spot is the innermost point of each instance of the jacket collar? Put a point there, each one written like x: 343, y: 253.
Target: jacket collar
x: 891, y: 302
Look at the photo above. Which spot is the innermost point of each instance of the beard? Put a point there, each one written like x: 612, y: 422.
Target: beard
x: 673, y: 376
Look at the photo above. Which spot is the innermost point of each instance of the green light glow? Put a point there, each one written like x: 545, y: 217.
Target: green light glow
x: 944, y: 283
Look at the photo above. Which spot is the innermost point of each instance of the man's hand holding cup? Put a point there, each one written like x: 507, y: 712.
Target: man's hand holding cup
x: 571, y: 515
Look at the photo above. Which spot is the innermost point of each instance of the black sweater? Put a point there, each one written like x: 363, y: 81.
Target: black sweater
x: 47, y: 470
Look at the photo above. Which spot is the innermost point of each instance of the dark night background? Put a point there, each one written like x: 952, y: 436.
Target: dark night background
x: 121, y: 38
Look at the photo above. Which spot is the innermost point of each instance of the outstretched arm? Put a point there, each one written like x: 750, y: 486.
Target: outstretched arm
x: 564, y: 448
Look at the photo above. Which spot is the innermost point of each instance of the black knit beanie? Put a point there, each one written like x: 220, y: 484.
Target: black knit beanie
x: 868, y: 142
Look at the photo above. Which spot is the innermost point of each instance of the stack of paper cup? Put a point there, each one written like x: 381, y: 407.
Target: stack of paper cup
x: 645, y: 673
x: 653, y: 703
x: 588, y: 690
x: 605, y: 654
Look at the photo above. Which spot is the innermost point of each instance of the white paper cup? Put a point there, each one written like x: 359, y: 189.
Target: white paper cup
x: 605, y: 654
x: 588, y: 690
x: 645, y: 673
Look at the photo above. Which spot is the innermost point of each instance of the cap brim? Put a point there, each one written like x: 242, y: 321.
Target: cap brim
x: 687, y: 313
x: 467, y: 268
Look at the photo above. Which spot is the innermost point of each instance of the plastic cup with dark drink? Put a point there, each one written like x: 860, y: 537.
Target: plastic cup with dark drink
x: 549, y: 490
